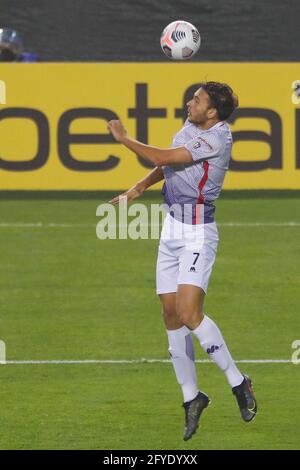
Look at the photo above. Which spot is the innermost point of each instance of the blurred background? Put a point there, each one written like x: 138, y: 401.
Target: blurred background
x: 129, y: 30
x: 66, y: 295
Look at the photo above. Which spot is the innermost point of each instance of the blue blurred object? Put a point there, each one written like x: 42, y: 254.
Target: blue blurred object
x: 28, y: 57
x: 11, y: 47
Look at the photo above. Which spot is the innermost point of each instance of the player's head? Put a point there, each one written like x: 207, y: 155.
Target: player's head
x: 213, y: 101
x: 11, y: 45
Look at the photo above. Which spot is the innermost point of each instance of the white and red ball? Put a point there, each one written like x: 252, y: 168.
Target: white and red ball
x: 180, y: 40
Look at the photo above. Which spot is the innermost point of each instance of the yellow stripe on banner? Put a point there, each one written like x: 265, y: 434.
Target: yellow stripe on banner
x: 53, y: 125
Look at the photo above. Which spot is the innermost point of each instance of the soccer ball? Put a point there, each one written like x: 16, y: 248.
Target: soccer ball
x: 180, y: 40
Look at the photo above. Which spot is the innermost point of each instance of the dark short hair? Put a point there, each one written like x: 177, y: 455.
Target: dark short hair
x: 221, y: 97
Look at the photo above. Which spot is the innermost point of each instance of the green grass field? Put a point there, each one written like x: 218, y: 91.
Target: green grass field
x: 67, y: 295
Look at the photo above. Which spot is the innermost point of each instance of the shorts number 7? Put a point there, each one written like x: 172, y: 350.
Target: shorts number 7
x: 196, y: 259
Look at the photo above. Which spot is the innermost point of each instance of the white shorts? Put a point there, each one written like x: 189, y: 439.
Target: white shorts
x: 186, y: 255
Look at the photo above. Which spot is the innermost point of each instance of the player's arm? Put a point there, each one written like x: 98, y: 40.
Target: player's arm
x: 196, y: 150
x: 137, y: 190
x: 155, y: 155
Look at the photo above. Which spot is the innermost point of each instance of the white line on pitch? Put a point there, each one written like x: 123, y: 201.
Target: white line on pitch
x: 140, y: 361
x: 42, y: 225
x: 74, y: 225
x: 259, y: 224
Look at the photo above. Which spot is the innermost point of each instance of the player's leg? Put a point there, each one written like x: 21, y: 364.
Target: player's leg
x: 181, y: 351
x: 181, y: 348
x: 190, y: 301
x: 189, y: 304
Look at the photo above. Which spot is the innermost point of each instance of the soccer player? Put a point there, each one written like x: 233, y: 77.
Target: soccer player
x: 193, y: 169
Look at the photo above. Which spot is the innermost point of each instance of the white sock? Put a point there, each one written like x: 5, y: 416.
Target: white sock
x: 181, y: 349
x: 212, y: 341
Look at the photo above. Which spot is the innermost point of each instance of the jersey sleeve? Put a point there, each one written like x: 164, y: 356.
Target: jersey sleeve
x: 205, y: 147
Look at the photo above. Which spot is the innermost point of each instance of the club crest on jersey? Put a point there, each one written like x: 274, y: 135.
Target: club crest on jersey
x: 197, y: 145
x: 200, y: 141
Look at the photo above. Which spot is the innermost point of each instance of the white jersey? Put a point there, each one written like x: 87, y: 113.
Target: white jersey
x: 191, y: 188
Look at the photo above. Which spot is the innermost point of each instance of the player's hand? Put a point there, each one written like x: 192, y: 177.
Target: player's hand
x: 117, y: 129
x: 131, y: 194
